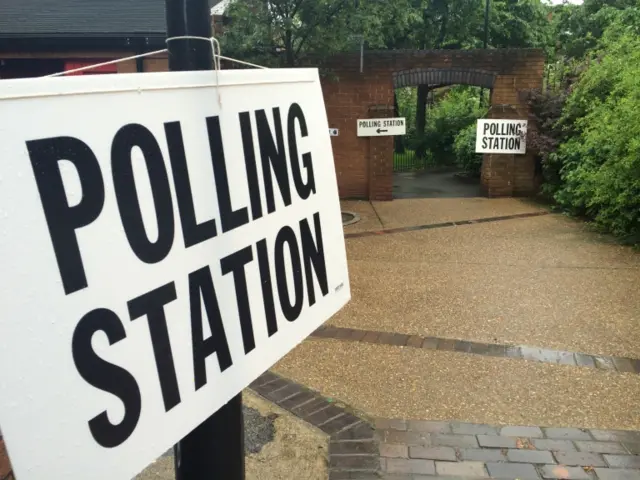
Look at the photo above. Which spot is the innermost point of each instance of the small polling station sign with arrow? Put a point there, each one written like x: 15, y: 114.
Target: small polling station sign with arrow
x: 379, y: 127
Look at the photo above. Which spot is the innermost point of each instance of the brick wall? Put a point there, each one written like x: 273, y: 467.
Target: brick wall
x: 365, y: 165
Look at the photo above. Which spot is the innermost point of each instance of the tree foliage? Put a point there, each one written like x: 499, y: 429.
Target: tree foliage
x: 283, y: 32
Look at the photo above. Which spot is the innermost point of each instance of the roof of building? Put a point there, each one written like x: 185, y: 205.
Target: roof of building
x: 68, y: 18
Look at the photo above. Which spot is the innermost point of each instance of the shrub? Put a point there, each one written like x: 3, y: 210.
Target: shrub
x: 457, y: 110
x: 464, y: 147
x: 599, y: 158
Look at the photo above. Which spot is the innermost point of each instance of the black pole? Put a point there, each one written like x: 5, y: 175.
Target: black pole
x: 215, y: 449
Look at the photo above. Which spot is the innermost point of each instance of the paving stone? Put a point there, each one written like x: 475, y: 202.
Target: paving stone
x: 528, y: 432
x: 433, y: 453
x: 601, y: 447
x: 324, y: 415
x: 511, y: 471
x: 494, y: 441
x: 462, y: 346
x: 580, y: 459
x: 354, y: 462
x: 633, y: 447
x: 566, y: 434
x: 357, y: 335
x: 562, y: 472
x: 310, y: 407
x: 615, y: 435
x: 401, y: 465
x: 566, y: 358
x: 480, y: 348
x: 473, y: 429
x: 391, y: 424
x: 447, y: 344
x: 296, y: 401
x: 266, y: 388
x: 617, y: 474
x: 461, y: 441
x: 529, y: 456
x: 389, y: 450
x: 282, y: 394
x: 415, y: 341
x: 604, y: 363
x: 339, y: 423
x: 623, y: 461
x: 440, y: 477
x: 360, y: 431
x: 430, y: 427
x: 367, y: 447
x: 346, y: 475
x: 462, y: 469
x: 407, y: 438
x: 513, y: 352
x: 266, y: 377
x: 371, y: 337
x: 555, y: 445
x: 483, y: 455
x: 431, y: 343
x: 496, y: 350
x: 583, y: 360
x: 400, y: 339
x: 623, y: 365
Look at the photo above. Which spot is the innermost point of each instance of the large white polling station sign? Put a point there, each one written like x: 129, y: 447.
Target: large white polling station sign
x: 163, y: 242
x: 501, y: 136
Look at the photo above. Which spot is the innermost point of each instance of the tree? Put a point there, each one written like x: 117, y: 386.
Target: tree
x: 285, y: 32
x: 578, y: 28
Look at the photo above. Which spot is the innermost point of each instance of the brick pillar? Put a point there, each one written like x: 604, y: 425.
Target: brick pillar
x: 508, y: 175
x: 380, y: 161
x: 5, y: 466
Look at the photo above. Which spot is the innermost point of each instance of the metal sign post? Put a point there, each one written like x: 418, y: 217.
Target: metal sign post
x: 215, y: 449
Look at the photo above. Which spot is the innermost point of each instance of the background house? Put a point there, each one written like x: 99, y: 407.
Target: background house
x: 40, y: 37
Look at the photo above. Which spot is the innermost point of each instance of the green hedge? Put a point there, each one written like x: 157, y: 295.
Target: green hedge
x: 464, y: 147
x: 599, y: 159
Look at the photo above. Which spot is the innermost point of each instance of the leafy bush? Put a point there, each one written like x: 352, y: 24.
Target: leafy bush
x: 457, y: 110
x: 599, y: 157
x: 464, y: 147
x: 546, y: 109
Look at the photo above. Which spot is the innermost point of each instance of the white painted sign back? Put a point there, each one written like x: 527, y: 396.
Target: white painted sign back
x: 380, y: 127
x: 161, y: 247
x: 501, y: 136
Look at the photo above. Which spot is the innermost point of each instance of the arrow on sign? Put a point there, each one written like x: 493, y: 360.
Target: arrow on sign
x: 380, y: 130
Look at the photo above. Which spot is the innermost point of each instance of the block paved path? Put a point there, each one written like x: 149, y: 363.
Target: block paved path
x: 398, y: 449
x: 485, y: 339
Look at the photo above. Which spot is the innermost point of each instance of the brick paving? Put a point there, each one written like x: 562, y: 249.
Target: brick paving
x: 512, y: 452
x: 432, y: 226
x: 399, y: 449
x: 521, y: 352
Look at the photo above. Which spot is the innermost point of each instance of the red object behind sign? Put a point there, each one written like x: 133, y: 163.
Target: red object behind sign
x: 72, y: 65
